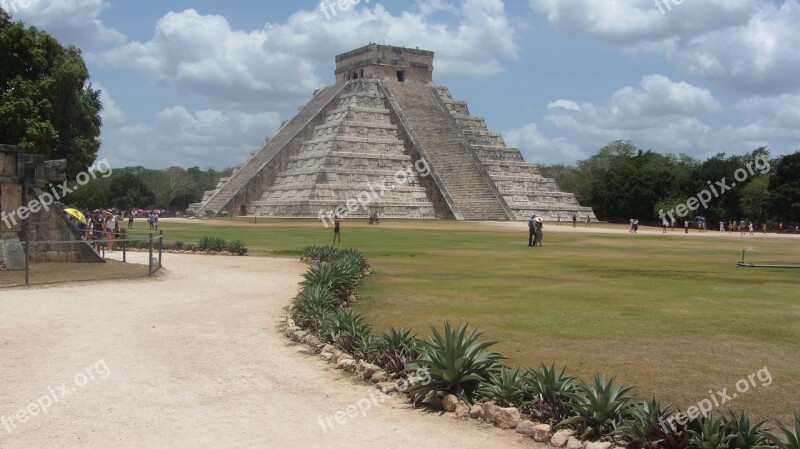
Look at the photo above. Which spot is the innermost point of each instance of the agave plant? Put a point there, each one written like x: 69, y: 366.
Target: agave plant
x: 456, y: 362
x: 644, y: 423
x: 396, y: 349
x: 329, y: 277
x: 599, y: 408
x: 506, y: 387
x: 344, y: 329
x: 747, y: 436
x: 312, y: 306
x: 548, y: 387
x: 790, y: 438
x: 366, y: 347
x: 714, y: 433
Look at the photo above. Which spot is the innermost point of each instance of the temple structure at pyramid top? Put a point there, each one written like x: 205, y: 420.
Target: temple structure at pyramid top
x: 386, y: 139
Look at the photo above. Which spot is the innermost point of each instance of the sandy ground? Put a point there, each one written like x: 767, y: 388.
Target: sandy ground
x: 193, y: 360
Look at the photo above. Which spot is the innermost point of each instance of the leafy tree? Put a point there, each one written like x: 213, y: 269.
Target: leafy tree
x: 755, y: 198
x: 784, y: 189
x: 46, y: 104
x: 127, y: 191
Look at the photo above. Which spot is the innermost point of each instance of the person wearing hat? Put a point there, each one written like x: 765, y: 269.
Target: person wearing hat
x: 538, y: 231
x: 531, y: 229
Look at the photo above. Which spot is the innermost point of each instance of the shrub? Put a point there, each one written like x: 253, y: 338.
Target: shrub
x: 344, y: 329
x: 790, y: 438
x: 550, y: 389
x: 598, y: 408
x: 312, y: 306
x: 178, y: 245
x: 237, y: 247
x: 330, y: 277
x: 455, y: 362
x: 644, y: 423
x: 396, y: 349
x: 714, y: 433
x: 213, y: 244
x: 505, y: 387
x: 746, y: 435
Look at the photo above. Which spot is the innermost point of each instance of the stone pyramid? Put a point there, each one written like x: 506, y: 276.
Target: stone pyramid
x: 386, y: 139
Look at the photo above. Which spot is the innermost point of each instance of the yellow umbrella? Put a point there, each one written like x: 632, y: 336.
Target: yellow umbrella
x: 76, y: 213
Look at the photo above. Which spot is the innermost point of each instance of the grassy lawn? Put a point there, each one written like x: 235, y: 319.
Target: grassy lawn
x: 671, y: 314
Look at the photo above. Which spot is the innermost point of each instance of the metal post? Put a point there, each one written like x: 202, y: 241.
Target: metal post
x: 150, y: 257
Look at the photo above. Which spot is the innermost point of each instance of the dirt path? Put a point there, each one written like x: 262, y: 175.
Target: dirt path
x: 194, y: 360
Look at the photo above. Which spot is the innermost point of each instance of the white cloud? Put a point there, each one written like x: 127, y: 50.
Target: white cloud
x: 761, y: 56
x: 539, y: 149
x: 111, y: 114
x: 748, y: 46
x: 630, y: 22
x: 659, y: 114
x: 178, y: 137
x: 70, y: 21
x: 202, y: 54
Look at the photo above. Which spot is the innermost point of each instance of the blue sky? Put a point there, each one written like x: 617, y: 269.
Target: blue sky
x: 198, y: 82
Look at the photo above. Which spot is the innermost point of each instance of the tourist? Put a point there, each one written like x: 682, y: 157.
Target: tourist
x: 574, y: 220
x: 531, y: 229
x: 588, y: 222
x: 664, y: 225
x: 742, y: 227
x: 721, y: 226
x: 780, y: 227
x: 337, y: 229
x: 155, y: 222
x: 750, y: 227
x: 686, y: 226
x: 130, y: 220
x: 110, y: 224
x: 764, y: 227
x: 151, y: 219
x: 672, y: 225
x: 635, y: 225
x: 558, y: 220
x: 631, y: 229
x: 538, y: 233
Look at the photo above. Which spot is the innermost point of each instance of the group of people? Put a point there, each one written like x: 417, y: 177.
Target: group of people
x: 105, y: 225
x: 535, y: 232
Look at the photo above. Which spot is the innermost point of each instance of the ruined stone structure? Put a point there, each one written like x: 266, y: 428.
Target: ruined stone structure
x: 385, y: 138
x: 23, y: 188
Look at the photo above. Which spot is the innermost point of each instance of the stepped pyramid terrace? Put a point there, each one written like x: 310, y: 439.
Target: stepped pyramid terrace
x: 385, y: 138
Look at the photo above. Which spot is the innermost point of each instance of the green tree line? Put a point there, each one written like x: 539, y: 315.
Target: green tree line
x: 137, y: 187
x: 621, y: 182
